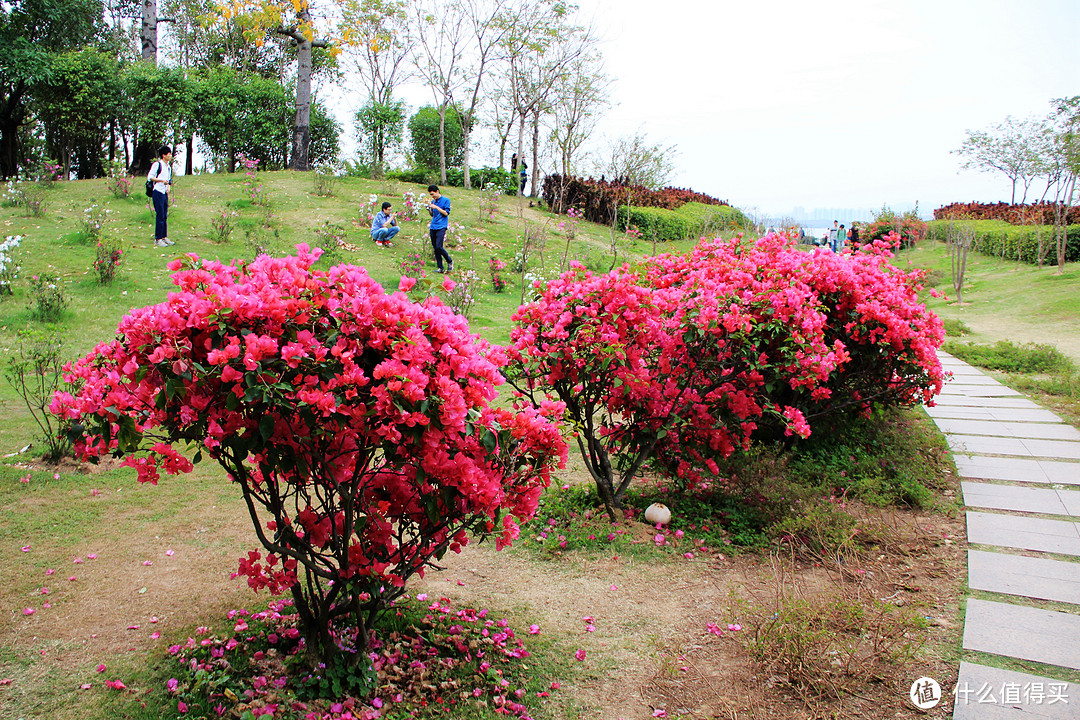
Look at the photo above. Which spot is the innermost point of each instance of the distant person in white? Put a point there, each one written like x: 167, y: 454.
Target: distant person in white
x: 161, y: 174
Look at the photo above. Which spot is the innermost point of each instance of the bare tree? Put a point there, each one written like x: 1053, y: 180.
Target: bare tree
x: 441, y: 41
x: 636, y: 161
x: 1010, y: 147
x: 540, y: 43
x: 382, y: 41
x: 577, y: 102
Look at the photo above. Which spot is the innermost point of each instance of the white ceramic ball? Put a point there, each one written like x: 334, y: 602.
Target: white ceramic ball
x: 657, y: 513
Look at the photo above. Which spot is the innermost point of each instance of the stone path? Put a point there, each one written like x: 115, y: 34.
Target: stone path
x: 1020, y: 466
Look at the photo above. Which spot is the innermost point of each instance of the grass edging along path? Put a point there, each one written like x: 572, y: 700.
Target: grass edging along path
x: 669, y: 632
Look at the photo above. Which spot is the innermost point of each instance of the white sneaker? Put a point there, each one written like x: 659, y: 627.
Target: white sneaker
x: 162, y: 242
x: 169, y: 242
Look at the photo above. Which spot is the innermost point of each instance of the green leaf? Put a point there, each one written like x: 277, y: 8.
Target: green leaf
x: 266, y: 426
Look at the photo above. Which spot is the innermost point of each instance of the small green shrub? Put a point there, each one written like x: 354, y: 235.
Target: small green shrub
x: 955, y: 328
x: 108, y: 256
x: 47, y: 298
x: 35, y: 372
x: 1008, y: 356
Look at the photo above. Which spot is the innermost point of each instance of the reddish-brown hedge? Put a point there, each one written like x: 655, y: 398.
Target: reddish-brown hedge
x: 597, y: 199
x: 1040, y: 213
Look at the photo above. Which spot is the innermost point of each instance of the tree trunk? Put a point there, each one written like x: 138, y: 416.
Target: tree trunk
x: 12, y: 115
x: 148, y: 33
x: 442, y: 144
x: 520, y: 150
x: 189, y: 143
x: 143, y: 157
x: 302, y: 127
x: 535, y: 153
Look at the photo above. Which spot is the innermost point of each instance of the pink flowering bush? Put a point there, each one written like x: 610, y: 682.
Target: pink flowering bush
x: 690, y: 357
x: 355, y: 424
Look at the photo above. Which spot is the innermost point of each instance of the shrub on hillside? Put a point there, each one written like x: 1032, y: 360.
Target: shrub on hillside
x: 597, y: 199
x: 355, y: 424
x: 682, y: 361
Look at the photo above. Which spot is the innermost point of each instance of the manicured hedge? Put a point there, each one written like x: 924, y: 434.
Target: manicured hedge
x: 1040, y: 212
x: 1020, y: 242
x: 691, y: 220
x: 597, y: 199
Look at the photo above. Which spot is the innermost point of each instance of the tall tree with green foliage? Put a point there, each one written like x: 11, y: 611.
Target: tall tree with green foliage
x: 424, y: 131
x: 74, y: 103
x: 32, y: 32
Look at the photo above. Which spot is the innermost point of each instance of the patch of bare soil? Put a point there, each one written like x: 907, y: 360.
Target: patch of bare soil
x: 651, y: 649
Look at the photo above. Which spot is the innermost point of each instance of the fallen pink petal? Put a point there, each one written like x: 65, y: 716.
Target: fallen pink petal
x: 659, y: 713
x: 115, y: 685
x: 132, y: 627
x: 101, y: 667
x: 92, y: 556
x: 579, y: 655
x: 28, y: 611
x: 26, y: 548
x: 85, y: 686
x: 734, y: 627
x: 50, y: 571
x: 155, y: 635
x: 534, y: 629
x: 169, y: 553
x: 148, y: 562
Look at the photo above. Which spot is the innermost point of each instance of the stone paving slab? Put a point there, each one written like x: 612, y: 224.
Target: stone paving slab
x: 1025, y: 576
x: 1024, y: 447
x: 989, y: 693
x: 981, y: 467
x: 1020, y: 499
x: 994, y: 402
x: 978, y: 390
x: 1022, y: 632
x: 1017, y: 415
x: 975, y: 379
x: 1025, y: 533
x: 1044, y: 431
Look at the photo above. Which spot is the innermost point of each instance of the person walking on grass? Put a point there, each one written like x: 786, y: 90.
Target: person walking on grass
x: 440, y: 214
x: 384, y: 227
x: 161, y: 174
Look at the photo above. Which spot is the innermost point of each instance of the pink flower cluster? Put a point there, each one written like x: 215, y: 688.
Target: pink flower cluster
x: 688, y: 357
x: 355, y: 422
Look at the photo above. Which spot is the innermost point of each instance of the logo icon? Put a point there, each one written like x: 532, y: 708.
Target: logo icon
x: 925, y: 693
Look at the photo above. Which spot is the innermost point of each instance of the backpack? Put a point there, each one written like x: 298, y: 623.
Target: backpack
x: 150, y: 183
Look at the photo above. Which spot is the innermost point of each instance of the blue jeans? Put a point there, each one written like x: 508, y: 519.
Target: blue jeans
x: 437, y: 237
x: 385, y: 234
x: 161, y: 209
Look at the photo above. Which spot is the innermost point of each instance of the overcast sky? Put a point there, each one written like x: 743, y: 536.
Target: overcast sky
x: 774, y: 104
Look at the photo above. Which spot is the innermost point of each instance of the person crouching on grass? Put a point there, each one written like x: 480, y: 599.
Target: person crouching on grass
x: 440, y: 212
x: 384, y: 227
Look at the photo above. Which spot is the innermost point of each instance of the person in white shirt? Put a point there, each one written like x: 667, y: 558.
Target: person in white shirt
x: 161, y: 174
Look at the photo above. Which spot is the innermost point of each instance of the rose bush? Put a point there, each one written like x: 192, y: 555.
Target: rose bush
x: 355, y: 423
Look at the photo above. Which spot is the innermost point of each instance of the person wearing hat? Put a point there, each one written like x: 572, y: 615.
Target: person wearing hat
x: 384, y: 227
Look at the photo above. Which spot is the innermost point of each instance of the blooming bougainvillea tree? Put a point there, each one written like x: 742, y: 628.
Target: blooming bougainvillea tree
x: 683, y: 360
x: 355, y: 423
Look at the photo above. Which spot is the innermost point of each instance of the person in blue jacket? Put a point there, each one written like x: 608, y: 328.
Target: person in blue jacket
x: 384, y: 226
x: 440, y: 214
